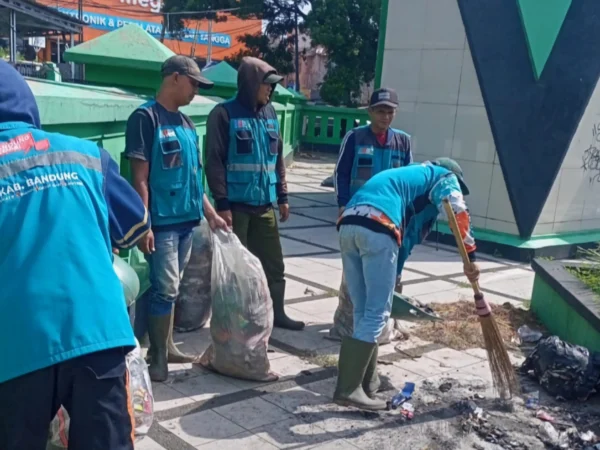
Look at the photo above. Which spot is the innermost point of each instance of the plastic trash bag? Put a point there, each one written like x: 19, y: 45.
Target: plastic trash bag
x: 142, y: 401
x: 129, y: 279
x: 59, y: 431
x: 140, y: 388
x: 242, y: 312
x: 564, y: 370
x: 343, y: 320
x: 192, y: 309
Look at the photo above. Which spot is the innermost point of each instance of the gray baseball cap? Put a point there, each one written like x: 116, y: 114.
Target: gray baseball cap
x: 384, y: 96
x: 185, y: 66
x: 272, y: 78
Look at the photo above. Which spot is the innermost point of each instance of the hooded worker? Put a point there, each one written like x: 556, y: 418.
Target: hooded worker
x: 245, y: 171
x: 392, y: 204
x: 64, y: 330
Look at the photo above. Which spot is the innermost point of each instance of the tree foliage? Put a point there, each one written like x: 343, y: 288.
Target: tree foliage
x: 349, y: 30
x: 276, y: 44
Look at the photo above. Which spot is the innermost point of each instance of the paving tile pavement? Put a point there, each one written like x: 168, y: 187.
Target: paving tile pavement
x: 197, y: 409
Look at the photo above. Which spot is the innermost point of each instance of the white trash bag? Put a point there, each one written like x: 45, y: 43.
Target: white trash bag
x: 242, y: 312
x: 343, y: 321
x: 142, y: 401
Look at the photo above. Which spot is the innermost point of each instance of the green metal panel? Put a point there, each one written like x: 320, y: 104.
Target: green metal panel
x: 560, y: 318
x: 127, y: 47
x: 381, y: 43
x: 326, y: 126
x: 542, y: 20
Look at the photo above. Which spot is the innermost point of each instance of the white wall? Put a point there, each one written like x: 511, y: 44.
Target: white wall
x: 574, y: 201
x: 428, y: 61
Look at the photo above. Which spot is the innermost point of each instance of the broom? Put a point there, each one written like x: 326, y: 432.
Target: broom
x: 503, y: 375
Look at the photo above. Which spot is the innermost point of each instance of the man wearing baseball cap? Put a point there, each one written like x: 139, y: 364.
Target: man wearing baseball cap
x: 366, y: 151
x: 164, y: 151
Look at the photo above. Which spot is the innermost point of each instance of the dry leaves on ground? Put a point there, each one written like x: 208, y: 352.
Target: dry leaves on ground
x: 461, y: 329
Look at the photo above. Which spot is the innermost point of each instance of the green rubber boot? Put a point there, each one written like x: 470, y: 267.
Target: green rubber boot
x: 158, y: 332
x: 355, y: 356
x: 174, y: 356
x: 371, y: 383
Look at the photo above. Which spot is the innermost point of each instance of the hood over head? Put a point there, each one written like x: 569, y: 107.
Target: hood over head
x: 17, y: 102
x: 251, y: 74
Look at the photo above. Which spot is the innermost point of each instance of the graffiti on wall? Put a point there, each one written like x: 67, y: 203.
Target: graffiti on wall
x: 591, y: 156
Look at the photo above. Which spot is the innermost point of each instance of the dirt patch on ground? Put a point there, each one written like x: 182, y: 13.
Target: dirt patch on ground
x: 461, y: 329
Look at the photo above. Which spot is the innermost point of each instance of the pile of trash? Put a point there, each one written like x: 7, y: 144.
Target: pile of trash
x: 564, y: 370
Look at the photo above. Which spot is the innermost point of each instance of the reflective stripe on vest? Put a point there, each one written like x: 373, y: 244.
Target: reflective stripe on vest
x: 49, y: 159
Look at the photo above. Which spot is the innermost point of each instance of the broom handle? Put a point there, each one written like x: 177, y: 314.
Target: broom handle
x: 459, y: 241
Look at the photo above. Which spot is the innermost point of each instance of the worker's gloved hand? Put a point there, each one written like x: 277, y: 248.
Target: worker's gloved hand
x: 471, y: 272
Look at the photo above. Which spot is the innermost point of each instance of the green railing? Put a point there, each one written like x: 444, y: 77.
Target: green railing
x: 324, y: 127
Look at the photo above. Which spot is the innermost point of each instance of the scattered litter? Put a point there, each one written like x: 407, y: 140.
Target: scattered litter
x: 588, y: 436
x: 445, y: 387
x: 548, y: 434
x: 543, y: 415
x: 309, y: 291
x: 408, y: 410
x: 401, y: 397
x: 563, y: 369
x: 306, y: 372
x: 533, y: 400
x: 478, y: 396
x: 527, y: 335
x: 384, y: 363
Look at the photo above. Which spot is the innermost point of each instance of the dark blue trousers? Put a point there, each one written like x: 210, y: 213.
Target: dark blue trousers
x: 94, y: 390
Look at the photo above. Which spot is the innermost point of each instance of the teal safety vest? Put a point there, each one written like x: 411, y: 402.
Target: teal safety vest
x: 176, y: 190
x: 252, y: 154
x: 370, y: 158
x: 60, y: 297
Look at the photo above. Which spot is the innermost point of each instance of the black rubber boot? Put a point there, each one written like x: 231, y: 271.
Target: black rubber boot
x: 281, y: 319
x: 355, y: 356
x: 371, y: 383
x: 158, y: 331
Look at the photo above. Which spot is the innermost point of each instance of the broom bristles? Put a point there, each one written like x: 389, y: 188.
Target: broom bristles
x: 504, y: 377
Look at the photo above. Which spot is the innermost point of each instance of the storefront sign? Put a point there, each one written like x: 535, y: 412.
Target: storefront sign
x: 110, y: 23
x: 153, y: 5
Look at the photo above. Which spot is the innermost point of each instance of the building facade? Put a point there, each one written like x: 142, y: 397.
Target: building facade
x: 508, y: 89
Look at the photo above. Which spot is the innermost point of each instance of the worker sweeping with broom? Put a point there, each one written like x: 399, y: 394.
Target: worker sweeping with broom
x: 371, y: 232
